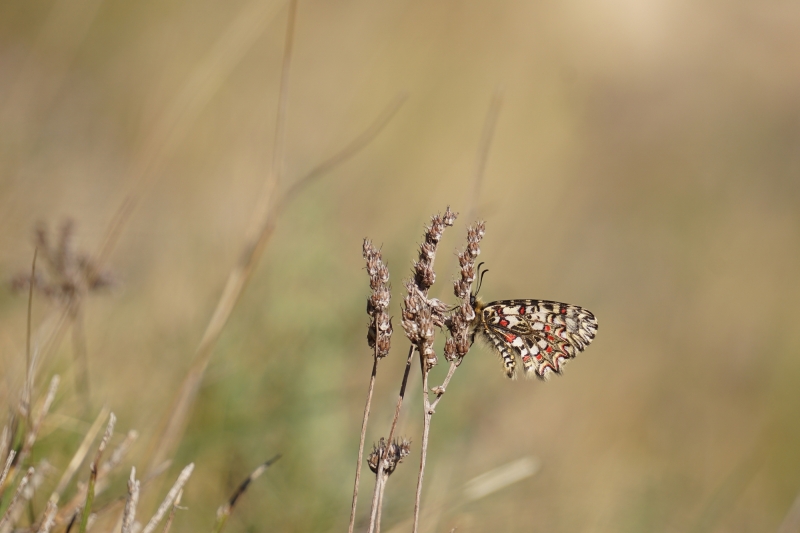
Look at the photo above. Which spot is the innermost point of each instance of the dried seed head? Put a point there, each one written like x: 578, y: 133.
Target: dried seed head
x: 394, y: 455
x: 424, y: 276
x: 460, y: 321
x: 379, y: 331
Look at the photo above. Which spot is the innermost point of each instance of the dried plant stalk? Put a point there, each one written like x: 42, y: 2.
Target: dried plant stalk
x: 129, y: 515
x: 420, y: 316
x: 379, y: 333
x: 175, y: 506
x: 6, y: 468
x: 48, y: 518
x: 456, y: 347
x: 77, y: 459
x: 6, y: 520
x: 183, y: 477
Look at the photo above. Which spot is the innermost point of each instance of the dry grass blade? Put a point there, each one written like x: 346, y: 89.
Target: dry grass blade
x: 174, y: 425
x: 171, y: 495
x: 6, y: 468
x: 129, y: 514
x: 30, y: 439
x: 175, y: 507
x: 102, y: 477
x: 225, y: 511
x: 6, y: 520
x: 48, y: 518
x: 500, y: 477
x: 237, y: 280
x: 78, y: 458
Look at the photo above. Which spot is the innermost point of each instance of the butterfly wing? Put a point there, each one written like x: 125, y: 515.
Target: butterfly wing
x: 541, y: 334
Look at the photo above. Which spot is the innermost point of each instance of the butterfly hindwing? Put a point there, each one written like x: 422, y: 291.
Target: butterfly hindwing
x: 540, y: 334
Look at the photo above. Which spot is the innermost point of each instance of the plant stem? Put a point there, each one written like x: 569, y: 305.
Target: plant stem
x: 379, y: 481
x: 425, y: 431
x: 363, y: 437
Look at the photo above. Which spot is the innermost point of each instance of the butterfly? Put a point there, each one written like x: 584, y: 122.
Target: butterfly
x: 541, y: 335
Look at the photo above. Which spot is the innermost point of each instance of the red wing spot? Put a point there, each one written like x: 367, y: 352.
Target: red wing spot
x: 550, y: 338
x: 510, y: 337
x: 538, y: 357
x: 504, y: 322
x: 522, y: 310
x: 526, y: 359
x: 549, y: 349
x: 563, y: 310
x: 546, y: 328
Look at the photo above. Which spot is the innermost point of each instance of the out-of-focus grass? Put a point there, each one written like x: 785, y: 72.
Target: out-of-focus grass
x: 645, y: 166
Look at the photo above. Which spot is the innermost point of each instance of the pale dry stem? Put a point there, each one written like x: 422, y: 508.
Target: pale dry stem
x: 48, y: 518
x: 129, y: 514
x: 360, y: 458
x: 77, y: 459
x: 171, y: 495
x: 4, y: 475
x: 379, y: 478
x: 5, y: 521
x: 175, y: 506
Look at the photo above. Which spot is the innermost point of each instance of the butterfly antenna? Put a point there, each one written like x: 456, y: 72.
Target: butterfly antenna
x: 480, y: 279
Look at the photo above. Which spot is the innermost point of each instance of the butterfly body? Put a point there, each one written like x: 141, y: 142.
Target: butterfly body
x: 539, y: 335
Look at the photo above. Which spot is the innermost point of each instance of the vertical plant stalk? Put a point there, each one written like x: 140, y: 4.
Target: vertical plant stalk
x: 426, y: 428
x: 379, y: 337
x: 420, y: 315
x: 456, y: 347
x: 359, y: 460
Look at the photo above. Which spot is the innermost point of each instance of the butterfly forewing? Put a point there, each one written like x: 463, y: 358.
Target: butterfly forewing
x: 539, y: 334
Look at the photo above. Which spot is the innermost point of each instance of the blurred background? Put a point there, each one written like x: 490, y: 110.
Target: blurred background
x: 645, y: 165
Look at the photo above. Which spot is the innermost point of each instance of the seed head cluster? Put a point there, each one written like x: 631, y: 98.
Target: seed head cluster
x: 380, y: 328
x: 421, y: 315
x: 458, y: 323
x: 424, y: 276
x: 397, y: 450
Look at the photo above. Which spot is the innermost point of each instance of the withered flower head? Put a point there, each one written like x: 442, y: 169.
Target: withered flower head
x: 379, y: 332
x: 398, y: 450
x: 457, y: 346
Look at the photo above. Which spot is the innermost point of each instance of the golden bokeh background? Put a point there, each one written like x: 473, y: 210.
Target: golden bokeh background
x: 645, y: 165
